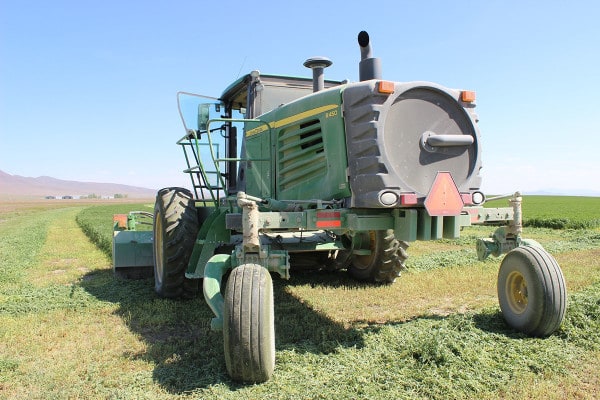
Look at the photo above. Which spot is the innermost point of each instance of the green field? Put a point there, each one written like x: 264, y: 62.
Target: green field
x: 559, y: 212
x: 70, y: 329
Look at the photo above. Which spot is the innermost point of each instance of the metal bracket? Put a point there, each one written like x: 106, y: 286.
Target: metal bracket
x: 251, y: 250
x: 506, y: 238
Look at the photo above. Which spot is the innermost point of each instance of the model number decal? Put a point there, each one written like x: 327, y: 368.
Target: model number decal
x: 329, y: 110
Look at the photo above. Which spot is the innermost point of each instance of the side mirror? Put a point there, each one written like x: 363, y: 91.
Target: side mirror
x: 203, y: 116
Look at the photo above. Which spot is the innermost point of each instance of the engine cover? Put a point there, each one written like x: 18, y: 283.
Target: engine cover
x: 398, y: 142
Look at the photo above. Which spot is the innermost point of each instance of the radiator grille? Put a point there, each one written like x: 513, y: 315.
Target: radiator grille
x: 301, y: 154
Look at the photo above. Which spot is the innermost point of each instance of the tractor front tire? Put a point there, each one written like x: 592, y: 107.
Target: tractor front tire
x: 249, y: 324
x: 175, y: 230
x: 386, y: 260
x: 532, y: 291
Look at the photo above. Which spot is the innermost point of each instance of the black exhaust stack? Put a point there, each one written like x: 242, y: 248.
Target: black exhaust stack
x: 369, y: 66
x: 318, y: 64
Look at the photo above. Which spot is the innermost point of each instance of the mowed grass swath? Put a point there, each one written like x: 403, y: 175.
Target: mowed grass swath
x: 71, y: 329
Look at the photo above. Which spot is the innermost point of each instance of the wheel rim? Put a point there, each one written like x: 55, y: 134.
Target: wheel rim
x: 158, y: 248
x: 516, y: 292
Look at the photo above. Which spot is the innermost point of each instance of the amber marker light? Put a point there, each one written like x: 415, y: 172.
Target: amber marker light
x: 467, y: 96
x: 121, y: 220
x: 386, y: 87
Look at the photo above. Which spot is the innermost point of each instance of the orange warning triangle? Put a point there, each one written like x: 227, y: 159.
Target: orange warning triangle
x: 444, y: 198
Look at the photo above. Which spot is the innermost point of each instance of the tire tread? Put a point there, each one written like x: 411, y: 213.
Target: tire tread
x: 180, y: 224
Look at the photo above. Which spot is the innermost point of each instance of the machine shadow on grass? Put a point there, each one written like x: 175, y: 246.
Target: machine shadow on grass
x: 187, y: 355
x: 489, y: 320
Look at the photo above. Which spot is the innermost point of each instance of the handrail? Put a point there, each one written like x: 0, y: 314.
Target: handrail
x: 193, y: 140
x: 216, y: 160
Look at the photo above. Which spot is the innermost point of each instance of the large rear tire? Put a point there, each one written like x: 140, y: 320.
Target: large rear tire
x: 175, y: 231
x: 249, y: 325
x: 386, y: 260
x: 532, y: 291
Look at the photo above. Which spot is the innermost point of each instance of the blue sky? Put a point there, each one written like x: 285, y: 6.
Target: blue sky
x: 88, y: 89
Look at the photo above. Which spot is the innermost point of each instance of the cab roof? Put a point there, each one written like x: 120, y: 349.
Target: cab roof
x: 236, y: 92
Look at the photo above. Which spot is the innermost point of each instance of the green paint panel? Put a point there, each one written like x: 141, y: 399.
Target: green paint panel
x: 451, y: 227
x: 212, y: 233
x: 132, y: 249
x: 306, y: 144
x: 405, y: 225
x: 361, y: 223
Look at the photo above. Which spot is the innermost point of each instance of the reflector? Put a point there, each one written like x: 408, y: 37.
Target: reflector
x: 328, y: 219
x: 386, y: 87
x: 121, y: 220
x: 408, y: 199
x: 467, y: 96
x: 444, y: 198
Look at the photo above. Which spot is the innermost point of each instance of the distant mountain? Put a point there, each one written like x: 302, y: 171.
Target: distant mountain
x: 20, y: 186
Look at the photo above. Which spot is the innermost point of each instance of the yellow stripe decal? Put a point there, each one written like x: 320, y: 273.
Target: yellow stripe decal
x: 292, y: 119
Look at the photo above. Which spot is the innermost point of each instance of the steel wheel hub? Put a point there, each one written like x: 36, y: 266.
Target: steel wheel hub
x: 516, y: 292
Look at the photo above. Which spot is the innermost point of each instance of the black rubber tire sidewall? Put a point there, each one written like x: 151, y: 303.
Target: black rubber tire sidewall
x: 546, y: 291
x: 249, y: 325
x: 176, y: 218
x: 386, y: 262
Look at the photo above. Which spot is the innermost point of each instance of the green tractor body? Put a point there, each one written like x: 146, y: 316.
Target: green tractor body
x: 293, y: 173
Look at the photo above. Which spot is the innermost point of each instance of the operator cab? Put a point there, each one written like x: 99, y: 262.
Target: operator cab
x: 259, y: 94
x: 247, y: 98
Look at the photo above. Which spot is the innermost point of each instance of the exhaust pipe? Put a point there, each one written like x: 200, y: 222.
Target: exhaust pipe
x: 369, y: 66
x: 318, y: 64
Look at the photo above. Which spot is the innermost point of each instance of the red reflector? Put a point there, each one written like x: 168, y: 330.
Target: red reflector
x: 328, y: 219
x: 121, y: 220
x: 408, y: 199
x: 466, y: 198
x: 474, y: 213
x: 329, y: 224
x: 328, y: 214
x: 443, y: 198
